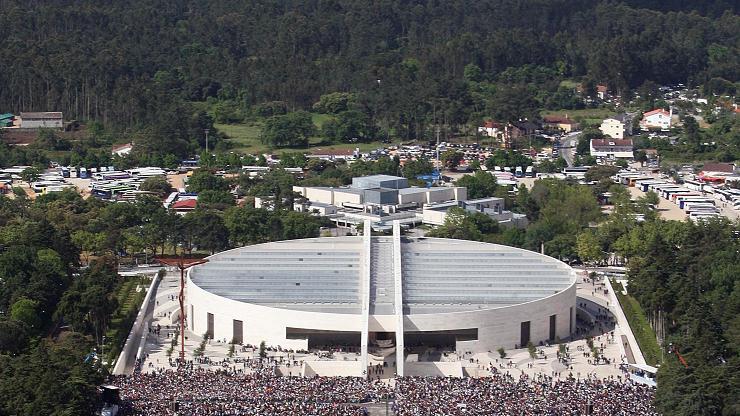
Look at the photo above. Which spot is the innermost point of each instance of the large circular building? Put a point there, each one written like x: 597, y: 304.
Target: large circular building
x: 382, y: 291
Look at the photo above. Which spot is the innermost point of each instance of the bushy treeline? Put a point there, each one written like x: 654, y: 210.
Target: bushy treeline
x: 139, y: 64
x: 685, y: 276
x: 59, y: 256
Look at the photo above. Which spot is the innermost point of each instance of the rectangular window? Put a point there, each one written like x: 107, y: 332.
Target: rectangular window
x: 553, y: 319
x: 524, y: 339
x: 209, y: 330
x: 238, y: 337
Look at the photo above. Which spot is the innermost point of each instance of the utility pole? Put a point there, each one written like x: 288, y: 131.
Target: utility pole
x: 206, y: 131
x: 437, y: 165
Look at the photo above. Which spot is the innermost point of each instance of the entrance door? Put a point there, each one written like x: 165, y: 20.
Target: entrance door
x: 238, y: 332
x: 552, y: 327
x: 209, y: 330
x: 524, y: 339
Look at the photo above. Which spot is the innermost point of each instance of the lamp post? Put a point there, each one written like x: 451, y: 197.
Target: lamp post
x: 206, y: 131
x: 182, y: 264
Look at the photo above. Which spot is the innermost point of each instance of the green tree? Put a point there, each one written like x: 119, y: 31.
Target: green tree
x: 451, y: 158
x: 26, y: 310
x: 209, y: 232
x: 588, y: 247
x: 30, y: 174
x: 479, y: 185
x: 218, y: 200
x: 202, y: 180
x: 156, y: 184
x: 335, y: 103
x: 289, y: 130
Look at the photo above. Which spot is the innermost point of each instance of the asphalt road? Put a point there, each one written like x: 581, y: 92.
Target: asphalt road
x: 568, y: 147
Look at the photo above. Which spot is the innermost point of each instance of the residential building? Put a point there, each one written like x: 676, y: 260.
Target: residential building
x: 492, y: 129
x: 657, y: 119
x: 564, y: 124
x: 52, y: 120
x: 602, y: 91
x: 617, y: 127
x: 184, y: 206
x: 122, y: 149
x: 612, y: 148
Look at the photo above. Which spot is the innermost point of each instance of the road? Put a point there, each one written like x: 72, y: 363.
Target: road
x: 568, y: 147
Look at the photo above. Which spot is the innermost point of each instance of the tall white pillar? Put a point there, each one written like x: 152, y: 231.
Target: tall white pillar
x: 398, y: 303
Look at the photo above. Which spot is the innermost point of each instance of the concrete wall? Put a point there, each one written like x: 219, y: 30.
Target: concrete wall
x: 461, y: 193
x: 325, y: 196
x: 332, y: 368
x: 37, y: 124
x: 381, y: 196
x: 499, y: 327
x: 417, y: 197
x: 440, y: 195
x: 612, y: 128
x: 124, y: 364
x: 434, y: 217
x: 340, y: 197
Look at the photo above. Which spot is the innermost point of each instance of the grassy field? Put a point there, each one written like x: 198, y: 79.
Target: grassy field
x: 568, y: 83
x: 640, y: 327
x: 246, y: 138
x: 589, y: 116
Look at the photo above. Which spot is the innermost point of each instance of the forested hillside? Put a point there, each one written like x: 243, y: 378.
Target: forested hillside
x: 138, y: 63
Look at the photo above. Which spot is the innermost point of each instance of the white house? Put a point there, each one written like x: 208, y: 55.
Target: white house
x: 612, y: 148
x: 492, y: 129
x: 657, y: 119
x: 617, y: 127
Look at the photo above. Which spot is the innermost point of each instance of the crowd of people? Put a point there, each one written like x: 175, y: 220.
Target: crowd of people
x: 503, y: 394
x: 202, y: 392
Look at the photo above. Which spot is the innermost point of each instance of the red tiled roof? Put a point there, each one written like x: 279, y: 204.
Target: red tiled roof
x: 492, y: 125
x: 656, y: 111
x: 185, y: 204
x: 601, y: 88
x: 718, y: 167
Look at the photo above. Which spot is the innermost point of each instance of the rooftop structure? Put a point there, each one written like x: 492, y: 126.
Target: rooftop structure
x: 612, y: 148
x: 657, y: 119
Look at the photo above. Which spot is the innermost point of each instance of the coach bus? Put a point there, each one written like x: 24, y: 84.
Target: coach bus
x: 642, y: 374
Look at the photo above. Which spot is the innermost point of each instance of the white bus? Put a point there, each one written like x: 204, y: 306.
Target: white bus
x: 692, y: 205
x: 642, y: 374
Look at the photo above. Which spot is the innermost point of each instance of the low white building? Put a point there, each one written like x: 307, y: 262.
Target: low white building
x: 435, y: 214
x: 52, y: 120
x: 316, y: 208
x: 612, y: 148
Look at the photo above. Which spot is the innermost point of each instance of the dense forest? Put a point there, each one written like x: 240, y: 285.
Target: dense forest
x: 140, y: 65
x: 62, y: 312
